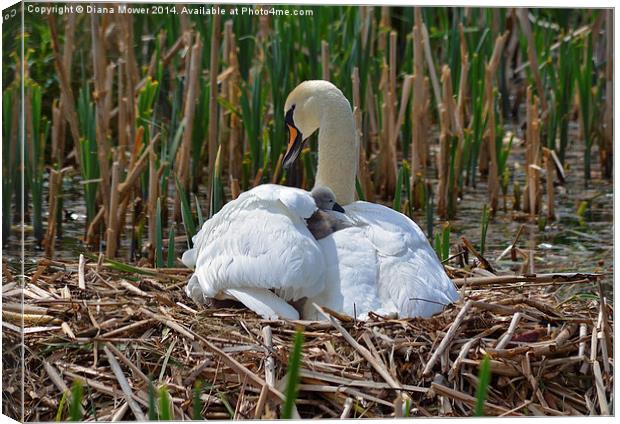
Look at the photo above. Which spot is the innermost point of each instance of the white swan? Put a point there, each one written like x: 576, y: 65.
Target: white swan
x: 258, y: 250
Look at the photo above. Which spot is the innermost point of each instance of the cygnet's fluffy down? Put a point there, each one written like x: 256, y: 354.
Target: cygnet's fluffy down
x: 323, y: 223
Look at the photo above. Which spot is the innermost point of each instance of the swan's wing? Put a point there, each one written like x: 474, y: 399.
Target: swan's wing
x: 258, y: 241
x: 351, y: 275
x: 411, y: 279
x: 264, y: 302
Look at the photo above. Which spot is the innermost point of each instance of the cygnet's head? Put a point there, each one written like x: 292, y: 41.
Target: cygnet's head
x: 325, y: 199
x: 304, y: 109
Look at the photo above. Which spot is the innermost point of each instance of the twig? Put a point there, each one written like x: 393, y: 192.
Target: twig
x: 122, y: 380
x: 448, y: 338
x: 362, y: 350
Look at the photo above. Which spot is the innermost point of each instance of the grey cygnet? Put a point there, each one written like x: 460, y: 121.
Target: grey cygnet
x: 322, y: 223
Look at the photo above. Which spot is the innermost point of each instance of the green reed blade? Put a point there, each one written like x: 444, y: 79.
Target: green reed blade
x: 359, y: 189
x: 483, y: 228
x: 75, y: 413
x: 196, y: 401
x: 216, y: 200
x: 165, y: 410
x: 292, y: 381
x: 186, y: 214
x: 484, y: 378
x: 159, y: 238
x: 171, y: 247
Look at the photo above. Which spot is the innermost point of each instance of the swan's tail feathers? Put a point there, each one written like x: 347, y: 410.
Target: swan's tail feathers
x: 264, y: 302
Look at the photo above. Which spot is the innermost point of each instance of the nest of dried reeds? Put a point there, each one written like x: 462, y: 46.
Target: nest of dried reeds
x: 118, y: 330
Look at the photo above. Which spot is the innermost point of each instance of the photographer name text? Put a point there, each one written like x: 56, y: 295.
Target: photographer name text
x: 163, y: 10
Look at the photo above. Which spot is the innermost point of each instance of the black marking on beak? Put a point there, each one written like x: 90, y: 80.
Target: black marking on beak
x: 295, y: 140
x: 338, y: 208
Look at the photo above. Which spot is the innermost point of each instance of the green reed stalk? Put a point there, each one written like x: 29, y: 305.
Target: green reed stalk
x: 483, y: 228
x: 196, y: 401
x: 217, y: 190
x: 9, y: 153
x: 88, y: 149
x: 585, y: 84
x: 292, y: 381
x: 75, y: 413
x: 165, y: 409
x: 186, y: 214
x: 171, y: 247
x: 35, y: 156
x: 484, y: 378
x: 159, y: 237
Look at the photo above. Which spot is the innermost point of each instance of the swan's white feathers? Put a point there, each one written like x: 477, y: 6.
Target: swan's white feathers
x: 382, y: 265
x: 264, y: 302
x: 258, y: 241
x: 351, y: 275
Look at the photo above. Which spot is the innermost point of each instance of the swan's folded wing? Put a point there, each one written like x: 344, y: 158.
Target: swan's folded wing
x: 256, y: 242
x: 411, y: 278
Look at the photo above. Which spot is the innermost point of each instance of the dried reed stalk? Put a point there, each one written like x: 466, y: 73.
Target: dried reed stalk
x: 550, y: 171
x: 388, y: 172
x: 189, y: 112
x: 112, y: 231
x: 418, y: 148
x: 362, y: 169
x: 152, y: 203
x: 234, y: 145
x: 54, y: 187
x: 67, y: 59
x: 103, y: 149
x: 606, y: 145
x: 70, y: 113
x: 489, y: 75
x: 443, y: 165
x: 430, y: 64
x: 213, y: 71
x: 531, y: 192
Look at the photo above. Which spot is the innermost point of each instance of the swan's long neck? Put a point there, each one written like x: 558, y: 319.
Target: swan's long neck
x: 338, y: 150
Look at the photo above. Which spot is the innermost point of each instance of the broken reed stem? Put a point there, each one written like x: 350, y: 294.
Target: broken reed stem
x: 550, y: 171
x: 363, y: 172
x: 418, y: 133
x: 325, y: 59
x: 531, y: 192
x: 112, y: 231
x: 70, y: 113
x: 606, y: 149
x: 152, y: 204
x: 445, y: 342
x: 430, y: 64
x: 54, y: 187
x: 188, y: 114
x: 213, y: 92
x: 103, y: 149
x: 67, y: 59
x: 234, y: 146
x: 122, y: 116
x: 445, y: 114
x: 490, y: 70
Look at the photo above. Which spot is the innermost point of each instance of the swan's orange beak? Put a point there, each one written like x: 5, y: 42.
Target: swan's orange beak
x: 295, y: 143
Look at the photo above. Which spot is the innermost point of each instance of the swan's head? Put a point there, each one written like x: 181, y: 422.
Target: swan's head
x: 304, y: 109
x: 325, y: 199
